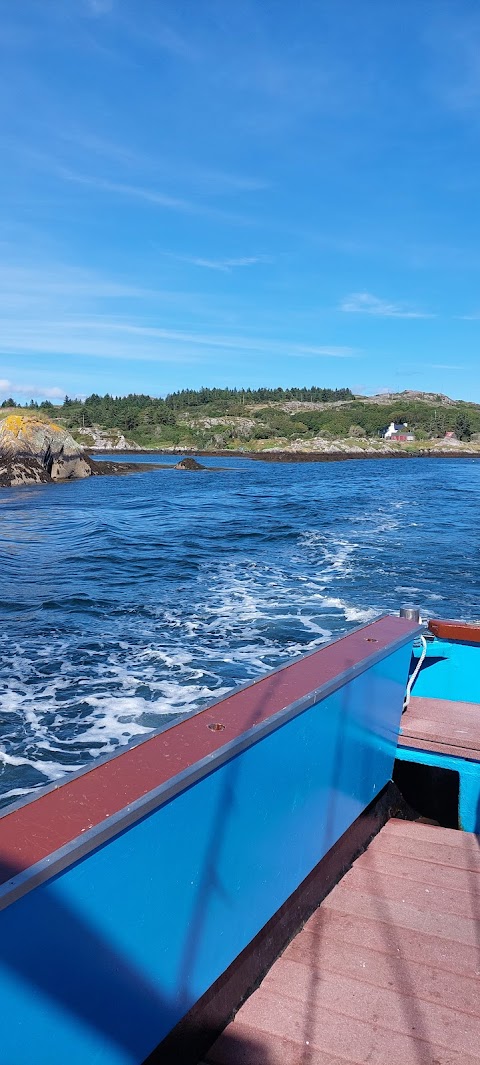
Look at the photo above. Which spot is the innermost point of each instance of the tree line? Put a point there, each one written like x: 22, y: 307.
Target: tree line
x: 137, y: 410
x: 145, y: 416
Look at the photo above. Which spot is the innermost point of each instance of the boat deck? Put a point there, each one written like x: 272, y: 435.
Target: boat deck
x: 387, y: 970
x: 442, y: 725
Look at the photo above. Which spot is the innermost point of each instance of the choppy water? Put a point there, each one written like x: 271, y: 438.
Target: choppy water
x: 125, y: 600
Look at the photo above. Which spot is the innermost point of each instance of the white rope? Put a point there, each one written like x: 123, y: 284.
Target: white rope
x: 415, y: 672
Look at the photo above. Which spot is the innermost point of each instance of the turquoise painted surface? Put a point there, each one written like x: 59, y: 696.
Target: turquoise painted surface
x: 98, y: 964
x: 450, y: 671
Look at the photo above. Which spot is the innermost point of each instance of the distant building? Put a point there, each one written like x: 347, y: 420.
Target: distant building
x: 398, y: 431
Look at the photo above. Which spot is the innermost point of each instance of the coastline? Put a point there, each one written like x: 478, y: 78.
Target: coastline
x: 267, y: 456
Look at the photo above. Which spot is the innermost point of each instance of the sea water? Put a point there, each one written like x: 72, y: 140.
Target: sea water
x: 127, y: 601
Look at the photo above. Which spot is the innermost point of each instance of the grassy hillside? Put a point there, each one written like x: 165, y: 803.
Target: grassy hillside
x: 227, y: 418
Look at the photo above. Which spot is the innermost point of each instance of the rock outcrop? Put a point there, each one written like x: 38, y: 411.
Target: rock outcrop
x: 33, y: 451
x: 106, y: 439
x: 189, y: 464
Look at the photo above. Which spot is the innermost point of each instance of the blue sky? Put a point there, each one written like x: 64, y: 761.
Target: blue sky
x: 254, y: 193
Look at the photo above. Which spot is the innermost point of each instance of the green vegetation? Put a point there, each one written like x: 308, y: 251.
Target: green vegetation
x: 254, y: 418
x: 425, y: 420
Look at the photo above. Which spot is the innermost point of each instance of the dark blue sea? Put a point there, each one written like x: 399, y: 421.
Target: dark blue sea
x: 126, y: 601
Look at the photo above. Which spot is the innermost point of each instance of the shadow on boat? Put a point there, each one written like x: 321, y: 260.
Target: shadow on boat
x: 53, y: 947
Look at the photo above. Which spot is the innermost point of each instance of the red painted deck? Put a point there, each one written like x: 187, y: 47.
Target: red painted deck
x: 442, y: 725
x: 387, y: 971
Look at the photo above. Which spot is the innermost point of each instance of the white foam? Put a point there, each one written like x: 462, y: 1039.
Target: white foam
x: 350, y: 612
x: 242, y: 617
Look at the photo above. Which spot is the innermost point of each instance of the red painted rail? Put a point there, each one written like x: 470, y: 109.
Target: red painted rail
x: 468, y: 632
x: 30, y: 833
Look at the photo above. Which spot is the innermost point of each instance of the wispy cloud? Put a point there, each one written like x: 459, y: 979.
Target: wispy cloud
x: 153, y: 197
x: 29, y: 285
x: 106, y: 338
x: 242, y: 343
x: 153, y: 32
x: 366, y: 303
x: 443, y: 366
x: 50, y: 310
x: 224, y: 265
x: 170, y: 40
x: 454, y: 38
x: 81, y: 144
x: 138, y: 192
x: 99, y: 7
x: 45, y: 289
x: 8, y: 388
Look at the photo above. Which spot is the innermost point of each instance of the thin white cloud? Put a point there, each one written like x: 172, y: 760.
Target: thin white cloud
x: 111, y: 339
x: 158, y: 199
x: 169, y: 40
x: 454, y: 76
x: 443, y: 366
x: 99, y: 7
x: 39, y: 391
x: 56, y: 310
x: 366, y: 303
x: 151, y: 31
x: 225, y: 266
x: 44, y: 282
x: 151, y: 196
x: 181, y: 170
x: 243, y: 343
x: 52, y: 290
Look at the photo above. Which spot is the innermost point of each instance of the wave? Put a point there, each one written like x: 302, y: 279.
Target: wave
x: 160, y: 595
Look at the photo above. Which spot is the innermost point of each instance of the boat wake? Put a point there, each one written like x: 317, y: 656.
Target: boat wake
x: 148, y: 607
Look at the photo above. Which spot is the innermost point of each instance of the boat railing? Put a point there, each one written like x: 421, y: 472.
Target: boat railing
x: 137, y: 884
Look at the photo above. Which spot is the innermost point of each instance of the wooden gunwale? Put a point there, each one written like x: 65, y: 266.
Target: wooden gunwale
x: 460, y: 631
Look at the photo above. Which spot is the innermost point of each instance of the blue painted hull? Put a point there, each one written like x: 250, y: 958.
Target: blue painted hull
x: 100, y: 961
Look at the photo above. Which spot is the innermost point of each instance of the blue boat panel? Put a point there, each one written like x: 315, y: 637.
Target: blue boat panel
x: 99, y: 963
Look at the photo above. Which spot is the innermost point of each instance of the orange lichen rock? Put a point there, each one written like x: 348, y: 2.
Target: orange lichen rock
x: 26, y: 426
x: 33, y: 451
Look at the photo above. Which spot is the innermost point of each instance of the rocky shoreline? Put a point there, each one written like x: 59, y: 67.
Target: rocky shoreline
x: 34, y: 451
x: 105, y: 468
x: 286, y: 456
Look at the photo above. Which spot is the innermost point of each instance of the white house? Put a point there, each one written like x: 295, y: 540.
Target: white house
x: 398, y: 431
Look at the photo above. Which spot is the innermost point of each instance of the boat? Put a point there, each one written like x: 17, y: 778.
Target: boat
x: 286, y: 877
